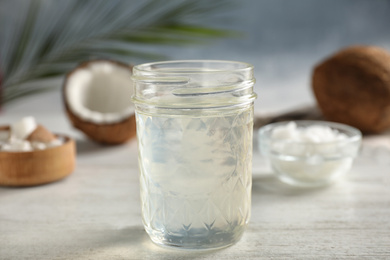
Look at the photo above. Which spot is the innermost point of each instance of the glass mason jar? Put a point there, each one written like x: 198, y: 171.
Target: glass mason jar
x: 194, y: 129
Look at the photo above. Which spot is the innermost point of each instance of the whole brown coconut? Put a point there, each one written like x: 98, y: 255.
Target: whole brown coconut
x: 353, y: 87
x: 97, y: 99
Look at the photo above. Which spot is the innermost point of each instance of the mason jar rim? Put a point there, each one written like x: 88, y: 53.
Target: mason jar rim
x: 147, y: 67
x: 193, y: 84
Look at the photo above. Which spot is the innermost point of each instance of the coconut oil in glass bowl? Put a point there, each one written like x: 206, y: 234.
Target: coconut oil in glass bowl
x: 309, y: 153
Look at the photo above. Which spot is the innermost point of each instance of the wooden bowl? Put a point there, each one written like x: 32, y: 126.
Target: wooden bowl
x: 38, y: 166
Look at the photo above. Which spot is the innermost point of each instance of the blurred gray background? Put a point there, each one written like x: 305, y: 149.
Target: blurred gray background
x: 283, y: 39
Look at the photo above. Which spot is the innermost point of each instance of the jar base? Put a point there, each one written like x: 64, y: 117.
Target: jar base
x: 197, y: 241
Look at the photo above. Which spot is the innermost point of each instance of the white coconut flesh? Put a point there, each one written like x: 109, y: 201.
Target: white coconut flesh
x: 100, y: 93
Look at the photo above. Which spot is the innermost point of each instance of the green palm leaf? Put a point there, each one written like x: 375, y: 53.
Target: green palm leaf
x: 51, y: 37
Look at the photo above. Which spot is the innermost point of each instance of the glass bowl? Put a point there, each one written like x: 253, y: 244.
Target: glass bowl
x: 307, y: 163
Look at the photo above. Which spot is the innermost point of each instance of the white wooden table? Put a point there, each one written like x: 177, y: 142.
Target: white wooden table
x: 95, y: 213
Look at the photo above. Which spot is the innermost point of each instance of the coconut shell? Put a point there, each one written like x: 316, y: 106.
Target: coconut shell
x: 38, y: 166
x: 106, y: 134
x: 353, y: 87
x: 41, y: 134
x: 114, y: 133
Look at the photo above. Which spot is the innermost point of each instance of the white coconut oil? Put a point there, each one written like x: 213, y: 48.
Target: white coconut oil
x: 309, y: 155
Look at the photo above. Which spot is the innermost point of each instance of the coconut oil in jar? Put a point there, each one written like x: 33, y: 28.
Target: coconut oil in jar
x: 194, y: 130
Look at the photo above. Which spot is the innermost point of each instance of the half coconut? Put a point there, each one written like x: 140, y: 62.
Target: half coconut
x: 97, y: 98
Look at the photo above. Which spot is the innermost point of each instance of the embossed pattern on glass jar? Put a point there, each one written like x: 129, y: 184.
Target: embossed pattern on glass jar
x: 196, y: 182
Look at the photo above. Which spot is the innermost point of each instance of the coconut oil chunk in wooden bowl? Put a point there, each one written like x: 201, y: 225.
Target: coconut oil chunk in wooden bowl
x: 32, y: 155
